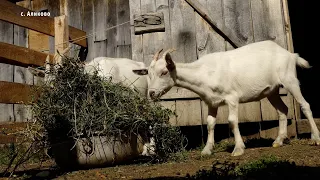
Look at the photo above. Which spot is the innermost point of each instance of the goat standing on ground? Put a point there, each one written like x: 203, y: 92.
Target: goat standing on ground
x: 249, y: 73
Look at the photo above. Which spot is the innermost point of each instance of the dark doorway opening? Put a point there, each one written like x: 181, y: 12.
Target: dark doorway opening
x: 304, y: 22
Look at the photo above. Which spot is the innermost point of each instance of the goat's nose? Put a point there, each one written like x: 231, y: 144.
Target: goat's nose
x: 151, y: 93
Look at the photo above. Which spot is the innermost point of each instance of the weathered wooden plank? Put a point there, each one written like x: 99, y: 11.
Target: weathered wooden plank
x: 269, y: 129
x: 124, y: 31
x: 8, y: 129
x: 208, y: 40
x: 15, y: 93
x: 183, y: 31
x: 124, y: 51
x: 149, y: 23
x: 75, y: 20
x: 149, y: 41
x: 224, y: 31
x: 304, y: 125
x: 268, y: 21
x: 270, y: 113
x: 6, y: 70
x: 21, y: 75
x: 20, y: 56
x: 164, y: 38
x: 64, y: 9
x: 12, y: 13
x: 37, y: 41
x: 88, y: 26
x: 136, y: 40
x: 248, y: 112
x: 12, y: 126
x: 172, y: 106
x: 237, y: 18
x: 61, y: 36
x: 111, y: 33
x: 222, y: 116
x: 6, y: 139
x: 38, y: 5
x: 188, y: 112
x: 54, y: 9
x: 100, y: 17
x: 289, y: 40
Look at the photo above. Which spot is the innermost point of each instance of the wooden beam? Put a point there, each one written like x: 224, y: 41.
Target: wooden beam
x: 11, y: 127
x: 12, y: 13
x: 62, y: 34
x: 303, y: 125
x: 15, y: 93
x: 21, y: 56
x: 223, y: 31
x: 7, y: 128
x: 64, y: 8
x: 290, y: 49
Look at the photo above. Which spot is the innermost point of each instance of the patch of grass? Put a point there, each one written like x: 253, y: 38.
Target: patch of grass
x: 223, y: 145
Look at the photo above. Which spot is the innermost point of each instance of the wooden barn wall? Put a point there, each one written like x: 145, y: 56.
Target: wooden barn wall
x: 16, y: 35
x: 96, y: 17
x: 185, y: 30
x: 249, y: 20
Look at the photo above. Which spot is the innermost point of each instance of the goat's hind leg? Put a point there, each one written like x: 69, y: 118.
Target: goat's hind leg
x: 282, y: 111
x: 292, y: 84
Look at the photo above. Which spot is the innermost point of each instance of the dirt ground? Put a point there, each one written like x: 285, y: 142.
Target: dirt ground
x: 299, y: 151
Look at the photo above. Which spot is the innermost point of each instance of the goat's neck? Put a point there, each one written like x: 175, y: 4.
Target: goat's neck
x: 187, y: 76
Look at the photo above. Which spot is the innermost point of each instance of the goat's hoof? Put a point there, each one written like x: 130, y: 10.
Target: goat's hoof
x: 144, y: 154
x: 317, y: 142
x: 205, y: 152
x: 237, y: 152
x: 276, y: 144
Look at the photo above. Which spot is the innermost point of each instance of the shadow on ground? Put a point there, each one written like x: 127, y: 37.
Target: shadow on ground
x: 254, y: 143
x: 274, y: 171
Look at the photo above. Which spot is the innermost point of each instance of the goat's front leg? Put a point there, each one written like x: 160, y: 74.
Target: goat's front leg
x: 211, y: 122
x: 233, y: 122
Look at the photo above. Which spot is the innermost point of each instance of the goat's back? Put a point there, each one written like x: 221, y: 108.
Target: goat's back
x: 252, y: 71
x: 119, y: 70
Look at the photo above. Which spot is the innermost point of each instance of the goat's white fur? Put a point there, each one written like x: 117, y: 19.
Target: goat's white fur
x: 246, y: 74
x: 120, y: 70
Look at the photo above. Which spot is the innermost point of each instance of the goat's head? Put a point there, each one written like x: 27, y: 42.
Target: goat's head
x: 161, y: 74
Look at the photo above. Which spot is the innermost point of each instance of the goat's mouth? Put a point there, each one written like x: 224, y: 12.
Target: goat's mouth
x: 157, y: 96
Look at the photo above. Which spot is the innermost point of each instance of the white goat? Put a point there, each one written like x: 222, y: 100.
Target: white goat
x: 120, y: 70
x: 246, y: 74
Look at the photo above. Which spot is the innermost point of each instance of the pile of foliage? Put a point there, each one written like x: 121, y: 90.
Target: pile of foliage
x: 76, y: 105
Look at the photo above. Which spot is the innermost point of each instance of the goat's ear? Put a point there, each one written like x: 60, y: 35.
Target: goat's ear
x: 140, y: 71
x: 170, y: 64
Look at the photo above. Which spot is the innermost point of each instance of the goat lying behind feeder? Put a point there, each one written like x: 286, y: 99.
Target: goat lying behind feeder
x: 246, y: 74
x: 120, y: 70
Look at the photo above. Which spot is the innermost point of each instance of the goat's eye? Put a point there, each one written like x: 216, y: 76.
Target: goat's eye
x: 164, y: 73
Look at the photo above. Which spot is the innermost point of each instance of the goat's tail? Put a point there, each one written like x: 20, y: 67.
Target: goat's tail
x: 302, y: 62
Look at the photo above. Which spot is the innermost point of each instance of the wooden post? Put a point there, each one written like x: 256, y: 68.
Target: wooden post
x: 297, y: 115
x: 61, y: 31
x: 64, y: 7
